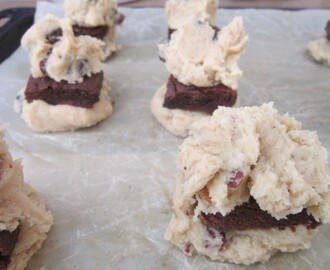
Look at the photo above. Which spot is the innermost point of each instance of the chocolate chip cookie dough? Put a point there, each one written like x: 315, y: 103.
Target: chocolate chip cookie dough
x: 66, y: 89
x: 251, y: 183
x: 320, y: 49
x: 24, y: 220
x: 180, y: 11
x: 97, y: 19
x: 204, y: 73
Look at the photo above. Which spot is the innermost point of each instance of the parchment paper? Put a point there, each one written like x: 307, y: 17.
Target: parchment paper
x: 110, y: 186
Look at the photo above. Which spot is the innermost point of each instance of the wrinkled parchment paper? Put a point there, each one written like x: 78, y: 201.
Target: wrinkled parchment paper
x: 110, y: 186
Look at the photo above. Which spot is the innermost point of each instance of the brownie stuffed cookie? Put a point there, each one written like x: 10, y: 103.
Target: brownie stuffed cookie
x: 251, y: 183
x: 24, y: 220
x: 204, y: 74
x: 66, y: 89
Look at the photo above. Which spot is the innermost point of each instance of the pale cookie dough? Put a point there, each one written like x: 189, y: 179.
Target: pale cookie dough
x: 180, y: 11
x: 88, y: 13
x: 194, y: 56
x: 320, y: 50
x: 176, y: 121
x: 91, y: 13
x: 42, y: 117
x: 69, y: 59
x: 21, y: 206
x: 284, y: 168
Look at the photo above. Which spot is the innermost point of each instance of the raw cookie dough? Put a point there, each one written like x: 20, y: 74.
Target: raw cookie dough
x: 180, y: 11
x: 194, y: 56
x: 70, y: 58
x: 88, y: 13
x: 281, y: 166
x: 320, y: 50
x: 42, y: 117
x: 176, y: 121
x: 21, y: 206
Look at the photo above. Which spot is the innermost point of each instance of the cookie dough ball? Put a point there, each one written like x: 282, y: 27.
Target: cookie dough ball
x: 24, y: 220
x: 180, y: 11
x: 251, y: 183
x: 320, y: 49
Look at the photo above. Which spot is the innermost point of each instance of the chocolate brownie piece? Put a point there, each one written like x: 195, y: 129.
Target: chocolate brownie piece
x: 327, y: 30
x: 7, y: 244
x: 84, y: 94
x: 193, y: 98
x: 54, y: 36
x: 249, y: 216
x: 98, y: 32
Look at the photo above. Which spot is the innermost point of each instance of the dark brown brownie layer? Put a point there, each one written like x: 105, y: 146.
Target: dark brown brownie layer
x: 98, y: 32
x: 7, y: 244
x: 201, y: 99
x: 84, y: 94
x: 249, y: 216
x: 327, y: 30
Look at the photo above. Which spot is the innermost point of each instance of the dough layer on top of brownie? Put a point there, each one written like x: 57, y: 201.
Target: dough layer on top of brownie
x: 199, y: 55
x: 92, y: 13
x: 7, y: 244
x: 54, y: 49
x: 180, y: 11
x: 249, y: 216
x: 81, y: 94
x: 171, y: 31
x: 193, y: 98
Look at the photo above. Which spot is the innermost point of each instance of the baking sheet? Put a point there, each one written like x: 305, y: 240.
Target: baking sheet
x: 110, y: 186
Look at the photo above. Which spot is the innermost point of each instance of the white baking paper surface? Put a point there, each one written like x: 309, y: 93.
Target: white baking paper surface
x: 110, y: 186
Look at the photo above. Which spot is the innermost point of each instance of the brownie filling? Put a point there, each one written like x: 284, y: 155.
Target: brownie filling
x: 249, y: 216
x: 201, y: 99
x: 7, y: 244
x: 84, y: 94
x: 327, y: 30
x: 98, y: 32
